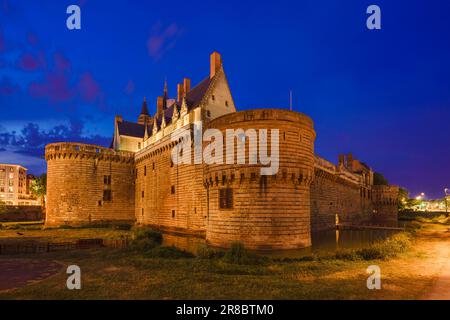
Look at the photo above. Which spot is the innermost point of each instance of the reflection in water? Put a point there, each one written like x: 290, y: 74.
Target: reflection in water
x: 323, y: 242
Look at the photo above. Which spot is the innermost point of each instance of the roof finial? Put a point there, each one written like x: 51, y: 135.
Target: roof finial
x: 165, y: 87
x: 166, y: 94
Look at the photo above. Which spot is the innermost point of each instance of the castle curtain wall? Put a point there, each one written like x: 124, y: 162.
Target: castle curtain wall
x: 169, y: 197
x: 335, y: 200
x: 88, y: 184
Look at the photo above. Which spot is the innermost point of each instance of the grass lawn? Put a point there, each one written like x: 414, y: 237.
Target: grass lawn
x: 35, y: 231
x: 122, y: 274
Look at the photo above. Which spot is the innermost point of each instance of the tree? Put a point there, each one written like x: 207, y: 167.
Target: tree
x: 2, y: 207
x: 403, y: 199
x: 379, y: 179
x: 38, y: 188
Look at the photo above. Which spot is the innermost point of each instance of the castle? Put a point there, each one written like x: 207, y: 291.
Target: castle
x: 136, y: 180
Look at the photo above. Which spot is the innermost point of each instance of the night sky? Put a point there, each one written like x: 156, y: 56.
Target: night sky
x: 383, y: 95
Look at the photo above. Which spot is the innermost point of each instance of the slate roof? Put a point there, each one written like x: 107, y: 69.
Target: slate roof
x: 193, y: 99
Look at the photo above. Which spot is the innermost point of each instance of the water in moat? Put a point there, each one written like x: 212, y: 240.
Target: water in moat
x: 323, y: 242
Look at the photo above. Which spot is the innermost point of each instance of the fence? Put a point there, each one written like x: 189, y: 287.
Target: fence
x: 26, y: 247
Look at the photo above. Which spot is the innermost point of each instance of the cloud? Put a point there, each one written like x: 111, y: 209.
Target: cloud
x: 61, y: 87
x: 28, y: 62
x: 55, y: 88
x: 88, y: 88
x: 162, y: 40
x: 7, y: 87
x: 129, y: 88
x: 56, y: 85
x: 31, y: 140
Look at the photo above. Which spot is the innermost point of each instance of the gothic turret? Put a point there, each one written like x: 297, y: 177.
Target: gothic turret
x: 144, y: 117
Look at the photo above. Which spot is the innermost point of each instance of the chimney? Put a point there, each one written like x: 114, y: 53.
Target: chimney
x: 116, y: 145
x: 216, y: 63
x: 180, y: 92
x: 186, y: 86
x: 159, y: 106
x: 350, y: 161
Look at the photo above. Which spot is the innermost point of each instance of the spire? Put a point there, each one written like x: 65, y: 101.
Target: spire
x: 165, y: 88
x: 144, y: 109
x: 166, y: 95
x: 144, y: 117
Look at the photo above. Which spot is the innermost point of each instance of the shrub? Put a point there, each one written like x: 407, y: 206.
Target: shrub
x: 347, y: 255
x: 237, y: 254
x: 144, y: 239
x: 143, y: 244
x: 2, y: 207
x: 139, y: 233
x: 413, y: 226
x: 389, y: 248
x: 206, y: 252
x: 168, y: 253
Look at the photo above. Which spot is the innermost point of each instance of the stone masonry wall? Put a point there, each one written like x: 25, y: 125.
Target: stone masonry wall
x: 169, y: 197
x: 385, y: 205
x: 77, y: 175
x: 335, y: 200
x: 268, y: 212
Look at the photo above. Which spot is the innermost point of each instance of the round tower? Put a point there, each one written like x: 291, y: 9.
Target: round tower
x: 88, y: 184
x: 265, y: 212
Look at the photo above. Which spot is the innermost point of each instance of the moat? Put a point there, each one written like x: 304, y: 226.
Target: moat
x: 324, y: 242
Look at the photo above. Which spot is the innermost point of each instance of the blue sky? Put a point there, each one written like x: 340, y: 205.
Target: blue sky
x: 382, y: 95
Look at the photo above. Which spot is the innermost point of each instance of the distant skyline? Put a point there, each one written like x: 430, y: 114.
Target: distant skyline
x: 382, y: 95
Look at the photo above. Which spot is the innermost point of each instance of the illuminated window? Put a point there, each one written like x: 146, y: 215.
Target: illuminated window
x: 226, y: 198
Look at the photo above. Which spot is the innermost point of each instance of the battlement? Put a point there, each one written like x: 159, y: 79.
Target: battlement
x: 263, y: 114
x: 71, y: 149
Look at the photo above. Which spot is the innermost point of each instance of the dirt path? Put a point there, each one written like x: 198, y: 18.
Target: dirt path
x: 441, y: 287
x: 15, y: 273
